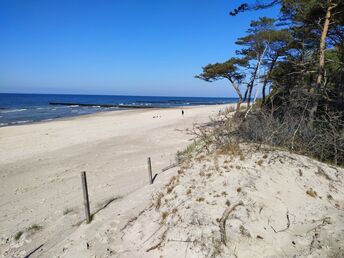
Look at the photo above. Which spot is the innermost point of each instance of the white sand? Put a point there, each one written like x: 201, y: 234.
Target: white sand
x: 40, y: 167
x: 40, y: 171
x: 277, y: 219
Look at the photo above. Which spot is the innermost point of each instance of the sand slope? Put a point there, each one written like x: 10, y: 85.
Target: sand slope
x: 292, y: 206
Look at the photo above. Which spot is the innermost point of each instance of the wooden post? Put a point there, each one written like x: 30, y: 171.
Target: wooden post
x: 150, y: 170
x: 86, y: 200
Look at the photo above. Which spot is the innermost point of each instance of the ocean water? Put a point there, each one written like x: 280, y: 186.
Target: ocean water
x: 28, y: 108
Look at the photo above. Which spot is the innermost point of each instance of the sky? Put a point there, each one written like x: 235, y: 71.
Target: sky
x: 117, y: 47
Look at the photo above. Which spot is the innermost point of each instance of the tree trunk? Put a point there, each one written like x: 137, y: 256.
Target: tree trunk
x: 236, y: 88
x: 267, y: 78
x: 323, y: 44
x: 322, y: 48
x: 250, y: 86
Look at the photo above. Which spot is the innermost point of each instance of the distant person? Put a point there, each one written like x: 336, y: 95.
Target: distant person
x: 182, y: 112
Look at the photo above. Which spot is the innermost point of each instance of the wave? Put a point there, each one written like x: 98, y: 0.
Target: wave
x: 22, y: 122
x: 16, y: 123
x: 13, y: 110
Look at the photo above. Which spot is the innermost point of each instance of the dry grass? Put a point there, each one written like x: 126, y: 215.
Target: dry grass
x: 158, y: 199
x: 231, y: 149
x: 312, y: 193
x: 164, y: 215
x: 200, y: 199
x: 260, y: 162
x: 300, y: 172
x: 200, y: 158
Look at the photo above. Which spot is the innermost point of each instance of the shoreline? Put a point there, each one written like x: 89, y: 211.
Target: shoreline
x: 105, y: 111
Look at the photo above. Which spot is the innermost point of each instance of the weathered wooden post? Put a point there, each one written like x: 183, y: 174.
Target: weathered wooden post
x: 86, y: 200
x: 150, y: 170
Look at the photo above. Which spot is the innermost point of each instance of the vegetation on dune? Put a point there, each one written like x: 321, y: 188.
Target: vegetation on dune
x: 296, y: 63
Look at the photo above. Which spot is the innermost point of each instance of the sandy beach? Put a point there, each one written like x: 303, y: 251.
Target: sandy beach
x: 40, y: 167
x: 278, y: 204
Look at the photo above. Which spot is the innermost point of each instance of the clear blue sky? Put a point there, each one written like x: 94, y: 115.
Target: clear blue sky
x: 126, y: 47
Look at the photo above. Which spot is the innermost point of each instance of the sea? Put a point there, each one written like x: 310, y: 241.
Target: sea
x: 16, y: 109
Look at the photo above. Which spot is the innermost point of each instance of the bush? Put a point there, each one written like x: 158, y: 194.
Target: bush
x: 322, y: 138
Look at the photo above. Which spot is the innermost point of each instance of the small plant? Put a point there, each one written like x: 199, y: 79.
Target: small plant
x: 18, y: 235
x: 244, y: 231
x: 300, y: 172
x: 260, y: 162
x: 67, y: 211
x: 238, y: 189
x: 164, y: 215
x: 34, y: 228
x: 312, y: 193
x: 169, y: 189
x: 157, y: 203
x: 200, y: 199
x: 174, y: 211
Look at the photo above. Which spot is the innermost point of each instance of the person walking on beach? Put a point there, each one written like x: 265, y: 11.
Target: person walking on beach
x: 182, y: 112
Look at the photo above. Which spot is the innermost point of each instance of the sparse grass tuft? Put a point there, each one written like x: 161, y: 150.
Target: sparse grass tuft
x: 34, y: 228
x: 67, y: 211
x: 186, y: 155
x: 200, y: 199
x: 312, y: 193
x: 300, y: 172
x: 260, y: 162
x: 231, y: 149
x: 18, y: 235
x: 157, y: 203
x: 164, y: 215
